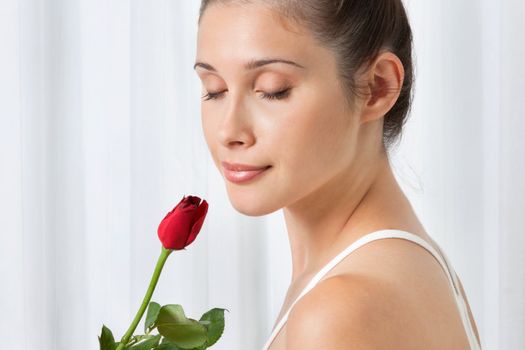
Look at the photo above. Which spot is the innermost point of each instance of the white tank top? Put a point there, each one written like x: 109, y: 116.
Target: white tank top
x: 381, y: 234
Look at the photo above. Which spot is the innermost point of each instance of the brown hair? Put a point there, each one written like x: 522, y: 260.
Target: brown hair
x: 356, y: 31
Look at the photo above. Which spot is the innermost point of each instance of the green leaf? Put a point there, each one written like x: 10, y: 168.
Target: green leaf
x: 174, y: 312
x: 215, y: 318
x: 147, y: 344
x: 173, y: 324
x: 151, y: 316
x: 106, y: 339
x: 167, y: 346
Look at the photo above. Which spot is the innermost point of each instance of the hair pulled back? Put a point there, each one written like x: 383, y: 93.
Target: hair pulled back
x: 356, y: 31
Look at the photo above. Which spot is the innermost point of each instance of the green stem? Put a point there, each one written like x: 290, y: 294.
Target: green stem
x: 158, y: 269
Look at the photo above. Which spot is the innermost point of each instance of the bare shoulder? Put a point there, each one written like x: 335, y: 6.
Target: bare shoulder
x: 393, y: 295
x: 346, y: 310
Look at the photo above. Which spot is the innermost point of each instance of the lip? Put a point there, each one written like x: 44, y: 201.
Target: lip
x: 239, y: 173
x: 241, y: 167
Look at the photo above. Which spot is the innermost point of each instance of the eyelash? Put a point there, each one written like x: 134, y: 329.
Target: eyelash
x: 280, y: 95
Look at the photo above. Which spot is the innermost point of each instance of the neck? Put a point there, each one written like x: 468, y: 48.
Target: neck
x: 351, y: 204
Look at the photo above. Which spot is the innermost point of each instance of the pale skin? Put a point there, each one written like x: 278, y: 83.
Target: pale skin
x: 332, y: 178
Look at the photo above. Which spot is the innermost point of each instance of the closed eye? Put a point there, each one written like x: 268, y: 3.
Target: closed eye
x: 280, y: 95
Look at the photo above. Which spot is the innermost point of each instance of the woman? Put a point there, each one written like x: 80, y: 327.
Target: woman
x: 302, y: 101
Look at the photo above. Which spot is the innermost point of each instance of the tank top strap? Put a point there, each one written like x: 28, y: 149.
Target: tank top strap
x: 381, y: 234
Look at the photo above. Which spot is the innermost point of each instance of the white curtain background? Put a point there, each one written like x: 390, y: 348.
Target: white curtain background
x: 100, y: 136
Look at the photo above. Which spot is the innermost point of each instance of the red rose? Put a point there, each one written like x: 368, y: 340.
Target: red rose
x: 181, y: 225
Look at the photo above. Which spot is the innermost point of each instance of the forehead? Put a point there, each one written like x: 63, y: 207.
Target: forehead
x: 236, y: 33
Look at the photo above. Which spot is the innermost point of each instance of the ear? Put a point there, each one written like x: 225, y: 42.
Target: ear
x: 385, y: 79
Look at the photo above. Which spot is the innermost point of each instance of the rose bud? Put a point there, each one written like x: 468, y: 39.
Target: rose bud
x: 180, y: 227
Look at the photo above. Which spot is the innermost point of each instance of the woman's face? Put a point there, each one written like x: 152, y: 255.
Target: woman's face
x: 305, y: 134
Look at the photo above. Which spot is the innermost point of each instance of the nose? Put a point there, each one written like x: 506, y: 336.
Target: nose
x: 236, y: 129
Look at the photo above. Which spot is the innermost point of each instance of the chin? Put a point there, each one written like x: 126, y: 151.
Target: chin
x: 251, y: 205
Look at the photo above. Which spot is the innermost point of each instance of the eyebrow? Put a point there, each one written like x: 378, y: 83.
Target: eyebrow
x: 252, y: 64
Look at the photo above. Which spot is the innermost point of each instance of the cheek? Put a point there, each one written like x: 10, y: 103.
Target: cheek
x: 314, y: 140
